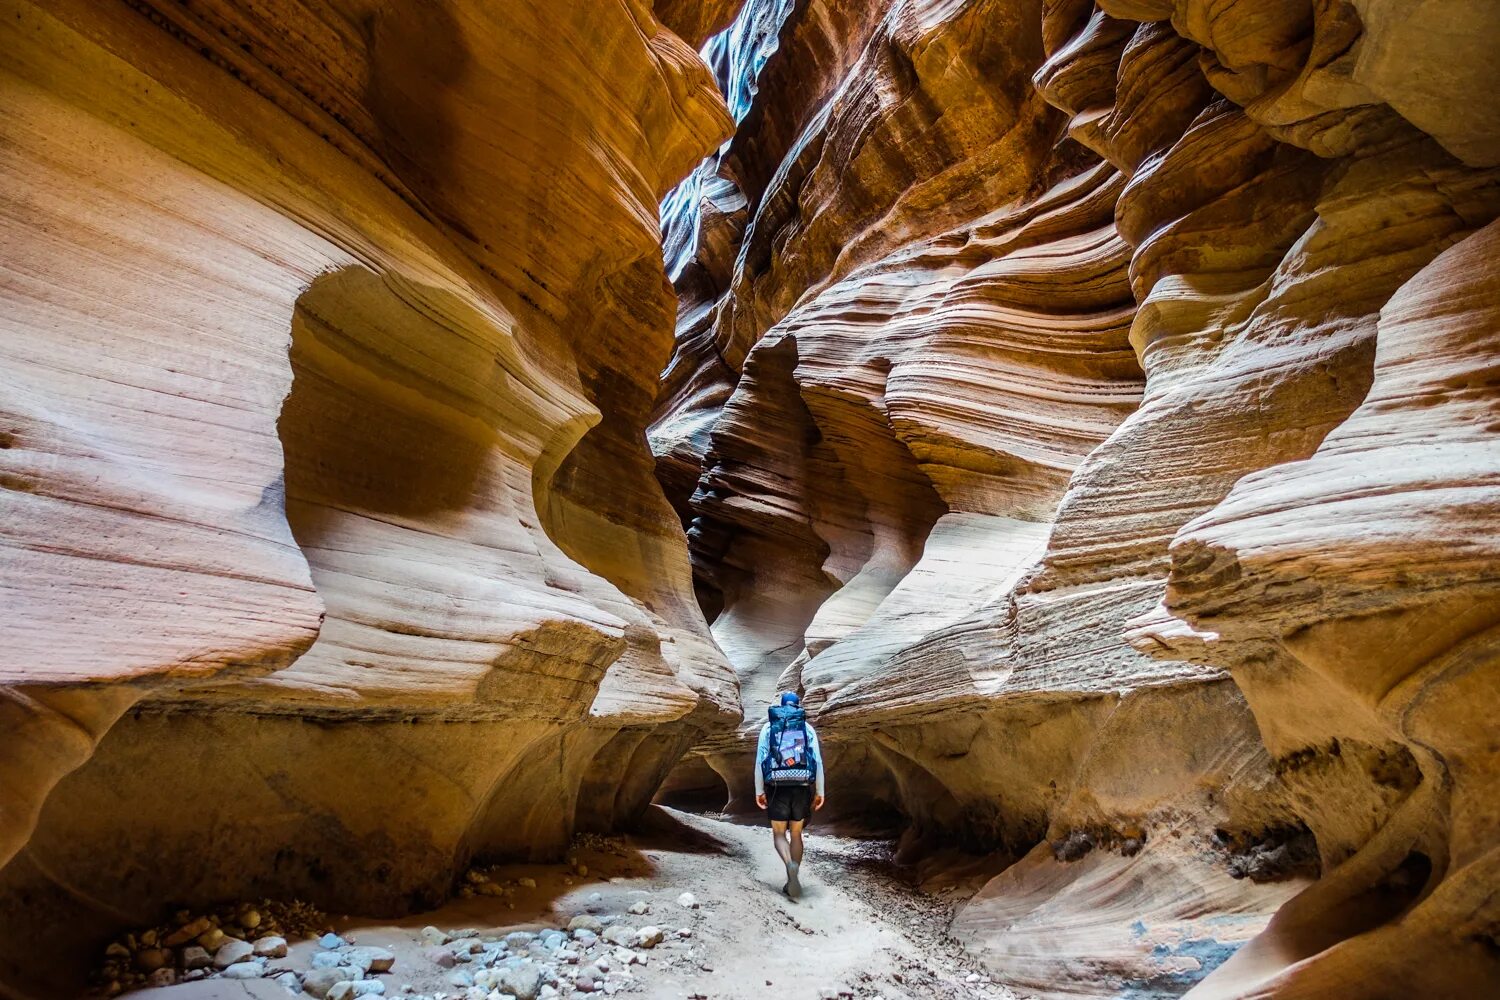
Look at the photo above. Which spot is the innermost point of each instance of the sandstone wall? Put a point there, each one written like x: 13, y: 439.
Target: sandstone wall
x: 1087, y: 403
x: 1091, y: 421
x: 321, y: 571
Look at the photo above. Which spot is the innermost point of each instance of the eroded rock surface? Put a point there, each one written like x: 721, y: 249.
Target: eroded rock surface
x: 1091, y: 421
x: 312, y: 315
x: 1089, y: 404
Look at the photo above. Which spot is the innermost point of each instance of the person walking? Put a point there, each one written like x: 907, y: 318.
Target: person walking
x: 789, y: 762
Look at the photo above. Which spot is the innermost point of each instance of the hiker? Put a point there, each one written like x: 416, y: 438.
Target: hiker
x: 789, y: 761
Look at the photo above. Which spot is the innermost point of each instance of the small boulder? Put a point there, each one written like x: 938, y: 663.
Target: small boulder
x: 351, y: 988
x: 585, y: 922
x: 463, y: 979
x: 648, y: 937
x: 162, y: 977
x: 194, y: 957
x: 186, y: 932
x: 521, y: 981
x: 151, y: 959
x: 270, y: 946
x: 526, y: 882
x: 619, y: 934
x: 232, y: 953
x: 687, y: 901
x: 253, y: 969
x: 431, y: 935
x: 640, y: 907
x: 330, y: 941
x: 211, y: 939
x: 371, y: 959
x: 518, y: 940
x: 1074, y: 846
x: 319, y: 981
x: 441, y: 957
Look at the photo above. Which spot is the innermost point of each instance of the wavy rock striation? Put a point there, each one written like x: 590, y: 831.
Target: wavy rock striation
x: 1086, y: 408
x: 322, y: 573
x: 1088, y: 404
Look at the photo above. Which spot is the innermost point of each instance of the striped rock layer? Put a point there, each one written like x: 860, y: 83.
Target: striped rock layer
x: 331, y: 553
x: 1089, y: 406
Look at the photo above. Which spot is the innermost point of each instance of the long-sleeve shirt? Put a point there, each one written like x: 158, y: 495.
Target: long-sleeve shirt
x: 814, y: 751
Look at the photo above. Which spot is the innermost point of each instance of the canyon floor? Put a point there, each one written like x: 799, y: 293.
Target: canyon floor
x: 862, y: 929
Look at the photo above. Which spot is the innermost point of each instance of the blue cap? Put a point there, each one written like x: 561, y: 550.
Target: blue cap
x: 790, y: 698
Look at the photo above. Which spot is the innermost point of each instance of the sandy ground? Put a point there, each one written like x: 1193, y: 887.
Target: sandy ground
x: 859, y: 930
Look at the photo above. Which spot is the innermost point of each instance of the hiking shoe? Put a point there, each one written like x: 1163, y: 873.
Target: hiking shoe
x: 793, y: 888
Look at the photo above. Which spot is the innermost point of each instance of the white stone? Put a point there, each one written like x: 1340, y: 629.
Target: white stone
x: 253, y: 969
x: 522, y: 981
x: 619, y: 934
x: 371, y: 959
x: 233, y: 952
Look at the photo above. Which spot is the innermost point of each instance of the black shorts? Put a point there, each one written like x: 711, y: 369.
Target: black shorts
x: 789, y: 803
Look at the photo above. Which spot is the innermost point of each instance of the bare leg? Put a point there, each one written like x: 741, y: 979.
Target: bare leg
x: 795, y: 829
x: 778, y: 837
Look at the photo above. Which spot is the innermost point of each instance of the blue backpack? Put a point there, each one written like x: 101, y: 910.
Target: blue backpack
x: 788, y: 760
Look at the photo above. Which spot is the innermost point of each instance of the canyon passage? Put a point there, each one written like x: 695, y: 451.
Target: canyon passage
x: 432, y: 432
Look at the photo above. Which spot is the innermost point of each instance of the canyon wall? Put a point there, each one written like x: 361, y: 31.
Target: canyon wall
x: 1088, y: 404
x: 321, y: 572
x: 1089, y: 407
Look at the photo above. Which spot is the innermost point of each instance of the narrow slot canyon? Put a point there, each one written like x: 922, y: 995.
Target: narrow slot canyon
x: 434, y: 433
